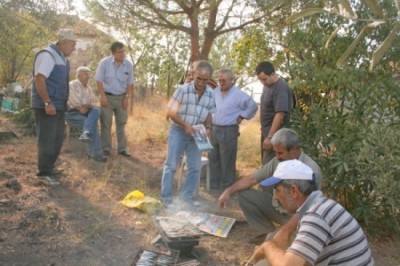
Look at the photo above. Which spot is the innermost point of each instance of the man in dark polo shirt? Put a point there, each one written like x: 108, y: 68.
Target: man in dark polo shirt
x: 276, y: 102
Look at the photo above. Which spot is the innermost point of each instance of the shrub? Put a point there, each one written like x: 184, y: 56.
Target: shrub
x: 351, y: 126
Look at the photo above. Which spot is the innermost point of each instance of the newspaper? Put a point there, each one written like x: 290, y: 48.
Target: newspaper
x: 209, y: 223
x: 201, y: 139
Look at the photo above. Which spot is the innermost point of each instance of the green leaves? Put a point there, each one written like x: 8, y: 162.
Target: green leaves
x: 360, y: 37
x: 376, y: 16
x: 305, y: 13
x: 384, y: 47
x: 375, y: 7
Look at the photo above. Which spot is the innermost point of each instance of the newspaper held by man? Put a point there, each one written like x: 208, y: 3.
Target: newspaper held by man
x: 201, y: 138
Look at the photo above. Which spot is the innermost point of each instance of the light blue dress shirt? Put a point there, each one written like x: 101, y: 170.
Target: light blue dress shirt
x: 232, y: 105
x: 115, y: 79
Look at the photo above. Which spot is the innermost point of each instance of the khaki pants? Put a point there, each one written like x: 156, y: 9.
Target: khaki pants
x: 121, y: 117
x: 257, y: 207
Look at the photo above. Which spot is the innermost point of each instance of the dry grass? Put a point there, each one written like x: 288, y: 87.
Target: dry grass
x: 248, y: 158
x: 82, y: 221
x: 148, y: 121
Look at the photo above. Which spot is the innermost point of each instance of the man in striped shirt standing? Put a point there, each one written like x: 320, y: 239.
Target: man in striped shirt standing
x: 191, y: 104
x: 326, y: 235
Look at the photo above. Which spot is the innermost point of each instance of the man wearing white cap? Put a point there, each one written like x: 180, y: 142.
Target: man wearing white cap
x: 258, y: 206
x: 327, y: 234
x: 49, y: 101
x: 83, y: 113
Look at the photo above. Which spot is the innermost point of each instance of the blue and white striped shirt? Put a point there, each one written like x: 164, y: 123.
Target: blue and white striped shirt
x: 185, y: 102
x: 329, y: 235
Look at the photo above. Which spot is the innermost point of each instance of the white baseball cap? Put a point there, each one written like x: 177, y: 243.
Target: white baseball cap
x: 289, y: 170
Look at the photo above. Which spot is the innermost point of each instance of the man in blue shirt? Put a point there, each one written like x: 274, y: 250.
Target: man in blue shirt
x: 49, y: 100
x: 114, y: 77
x: 232, y: 106
x: 191, y: 104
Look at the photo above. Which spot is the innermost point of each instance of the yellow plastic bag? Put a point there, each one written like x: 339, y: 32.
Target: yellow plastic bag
x: 136, y: 199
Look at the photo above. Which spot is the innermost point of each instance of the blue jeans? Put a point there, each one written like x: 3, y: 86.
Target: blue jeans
x: 179, y: 142
x: 87, y: 123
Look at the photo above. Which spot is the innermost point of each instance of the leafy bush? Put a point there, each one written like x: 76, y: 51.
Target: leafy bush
x: 24, y: 116
x: 349, y: 120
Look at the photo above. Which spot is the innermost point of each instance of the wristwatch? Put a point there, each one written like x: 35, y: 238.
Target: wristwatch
x: 47, y: 103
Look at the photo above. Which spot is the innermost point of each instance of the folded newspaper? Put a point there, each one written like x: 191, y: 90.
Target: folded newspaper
x: 209, y: 223
x: 201, y: 139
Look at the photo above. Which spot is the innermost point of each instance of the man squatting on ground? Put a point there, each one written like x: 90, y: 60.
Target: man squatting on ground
x: 83, y: 113
x: 275, y: 106
x: 49, y: 101
x: 114, y: 77
x: 232, y: 106
x: 191, y: 104
x: 326, y: 235
x: 258, y: 206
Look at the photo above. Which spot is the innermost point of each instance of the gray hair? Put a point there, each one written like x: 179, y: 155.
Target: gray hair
x: 227, y: 72
x: 305, y: 186
x: 82, y: 69
x: 286, y: 137
x: 203, y: 66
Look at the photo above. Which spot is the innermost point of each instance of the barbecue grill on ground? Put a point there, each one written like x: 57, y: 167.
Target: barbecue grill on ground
x: 177, y: 234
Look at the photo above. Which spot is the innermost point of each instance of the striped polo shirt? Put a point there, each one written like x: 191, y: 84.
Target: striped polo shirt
x: 329, y: 235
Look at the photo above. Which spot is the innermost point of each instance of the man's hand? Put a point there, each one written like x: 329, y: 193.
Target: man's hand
x: 188, y: 129
x: 258, y: 254
x: 83, y: 110
x: 50, y: 109
x: 267, y: 144
x: 223, y: 199
x: 103, y: 101
x: 239, y: 119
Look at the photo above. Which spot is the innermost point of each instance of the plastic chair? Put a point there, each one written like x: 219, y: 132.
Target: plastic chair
x: 68, y: 130
x: 204, y: 162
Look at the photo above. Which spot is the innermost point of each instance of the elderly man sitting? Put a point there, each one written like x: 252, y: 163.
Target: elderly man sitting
x: 83, y: 113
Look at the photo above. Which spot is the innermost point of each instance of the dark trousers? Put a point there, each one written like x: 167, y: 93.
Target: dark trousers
x: 50, y: 137
x: 222, y: 158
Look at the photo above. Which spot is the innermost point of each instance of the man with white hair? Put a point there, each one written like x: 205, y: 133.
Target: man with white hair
x: 232, y: 106
x: 83, y: 113
x: 49, y: 100
x: 326, y: 235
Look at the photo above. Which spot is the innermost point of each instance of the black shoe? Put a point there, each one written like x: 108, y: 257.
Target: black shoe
x: 257, y: 240
x: 106, y: 153
x: 125, y: 154
x: 98, y: 158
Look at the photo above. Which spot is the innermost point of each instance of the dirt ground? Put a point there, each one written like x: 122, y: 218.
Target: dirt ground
x: 81, y: 222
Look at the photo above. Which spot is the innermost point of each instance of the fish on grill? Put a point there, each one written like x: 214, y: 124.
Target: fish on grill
x: 174, y: 228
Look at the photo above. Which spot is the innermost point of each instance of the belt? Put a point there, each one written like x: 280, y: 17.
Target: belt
x: 112, y: 94
x: 225, y: 126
